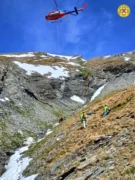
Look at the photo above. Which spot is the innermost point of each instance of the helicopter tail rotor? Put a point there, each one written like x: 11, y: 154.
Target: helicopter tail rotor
x: 76, y: 10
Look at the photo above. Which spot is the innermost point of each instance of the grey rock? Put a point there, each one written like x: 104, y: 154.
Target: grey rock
x: 88, y: 162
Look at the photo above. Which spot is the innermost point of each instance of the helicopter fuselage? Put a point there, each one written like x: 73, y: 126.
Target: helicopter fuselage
x: 54, y: 15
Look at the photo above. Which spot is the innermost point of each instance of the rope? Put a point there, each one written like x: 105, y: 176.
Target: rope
x: 57, y: 27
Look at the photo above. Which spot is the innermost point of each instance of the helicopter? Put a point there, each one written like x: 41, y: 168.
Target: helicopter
x: 57, y: 14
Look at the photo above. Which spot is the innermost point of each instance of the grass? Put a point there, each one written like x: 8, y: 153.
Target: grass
x: 22, y: 112
x: 85, y: 71
x: 43, y: 124
x: 82, y: 63
x: 12, y: 102
x: 77, y: 163
x: 27, y: 133
x: 130, y: 170
x: 58, y: 112
x: 2, y: 125
x: 11, y: 141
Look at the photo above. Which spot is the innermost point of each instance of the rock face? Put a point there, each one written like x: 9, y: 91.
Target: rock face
x: 31, y: 101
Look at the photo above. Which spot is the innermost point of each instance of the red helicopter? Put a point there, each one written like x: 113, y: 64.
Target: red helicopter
x: 57, y: 14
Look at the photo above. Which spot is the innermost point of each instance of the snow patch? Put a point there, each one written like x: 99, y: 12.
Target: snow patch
x: 65, y: 57
x: 75, y: 57
x: 29, y: 141
x: 40, y: 139
x: 56, y: 72
x: 3, y: 100
x: 6, y: 99
x: 105, y: 57
x: 43, y: 56
x: 49, y: 131
x: 127, y: 58
x: 60, y: 56
x: 56, y: 124
x: 20, y: 131
x: 30, y: 177
x: 74, y: 64
x: 77, y: 99
x: 18, y: 55
x: 71, y: 63
x: 97, y: 92
x: 16, y: 166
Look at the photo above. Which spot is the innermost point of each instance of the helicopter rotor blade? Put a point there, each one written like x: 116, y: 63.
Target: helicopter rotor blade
x: 56, y: 4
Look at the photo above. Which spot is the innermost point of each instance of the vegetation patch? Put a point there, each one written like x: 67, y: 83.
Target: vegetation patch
x: 43, y: 124
x: 2, y: 125
x: 58, y: 112
x: 130, y: 170
x: 85, y: 71
x: 8, y: 141
x: 24, y: 112
x: 27, y: 133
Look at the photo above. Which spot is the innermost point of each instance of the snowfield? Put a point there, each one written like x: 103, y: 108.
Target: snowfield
x: 43, y: 56
x: 64, y: 57
x: 18, y: 55
x: 4, y: 100
x: 60, y: 56
x: 54, y: 71
x: 105, y: 57
x: 127, y: 58
x: 16, y: 166
x: 77, y: 99
x: 97, y: 92
x: 71, y: 63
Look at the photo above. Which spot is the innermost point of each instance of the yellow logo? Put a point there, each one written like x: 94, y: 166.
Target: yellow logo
x: 123, y: 10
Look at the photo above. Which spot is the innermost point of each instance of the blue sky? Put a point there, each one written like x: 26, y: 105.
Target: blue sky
x: 95, y: 32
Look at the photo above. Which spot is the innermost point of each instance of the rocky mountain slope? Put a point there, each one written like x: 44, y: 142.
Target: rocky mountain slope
x: 104, y: 150
x: 37, y: 88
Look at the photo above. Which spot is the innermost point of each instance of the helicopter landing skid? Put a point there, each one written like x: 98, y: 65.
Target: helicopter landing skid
x: 56, y: 21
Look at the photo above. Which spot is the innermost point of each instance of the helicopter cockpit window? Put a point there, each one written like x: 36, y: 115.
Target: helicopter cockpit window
x: 54, y: 12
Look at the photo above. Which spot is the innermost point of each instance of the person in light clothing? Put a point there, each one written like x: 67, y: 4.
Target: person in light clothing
x: 84, y: 119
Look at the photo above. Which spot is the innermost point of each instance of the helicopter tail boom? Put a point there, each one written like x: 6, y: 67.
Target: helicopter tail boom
x: 84, y: 7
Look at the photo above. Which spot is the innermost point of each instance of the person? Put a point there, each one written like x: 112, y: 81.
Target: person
x: 61, y: 119
x: 84, y: 119
x: 106, y: 110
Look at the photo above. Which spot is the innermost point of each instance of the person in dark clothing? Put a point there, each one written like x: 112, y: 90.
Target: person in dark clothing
x: 61, y: 119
